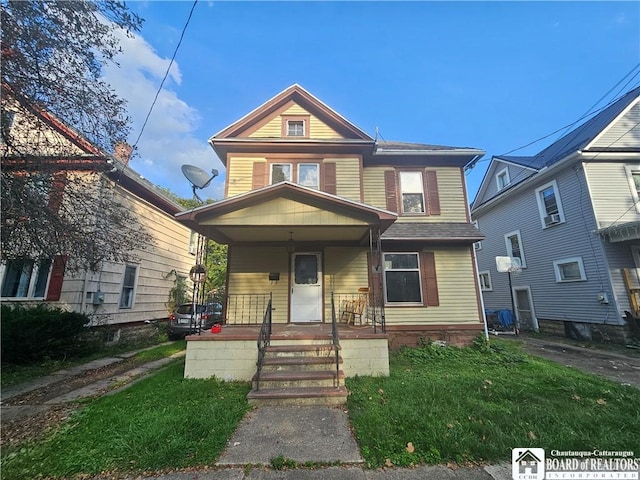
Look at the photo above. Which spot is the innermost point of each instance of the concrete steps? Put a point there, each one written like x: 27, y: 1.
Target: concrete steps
x: 299, y: 374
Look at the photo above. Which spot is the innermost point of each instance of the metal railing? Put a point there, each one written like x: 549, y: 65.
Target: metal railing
x: 264, y: 339
x: 360, y: 309
x: 246, y: 309
x: 336, y: 339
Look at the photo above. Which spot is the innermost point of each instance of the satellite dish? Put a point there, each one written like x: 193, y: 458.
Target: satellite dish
x: 198, y: 177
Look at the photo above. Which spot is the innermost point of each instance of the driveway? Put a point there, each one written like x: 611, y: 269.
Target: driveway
x: 618, y: 366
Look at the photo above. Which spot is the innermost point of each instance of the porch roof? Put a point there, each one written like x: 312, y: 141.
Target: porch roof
x: 286, y: 212
x: 621, y: 232
x: 441, y: 231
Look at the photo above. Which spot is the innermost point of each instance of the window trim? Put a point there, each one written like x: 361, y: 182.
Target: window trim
x: 477, y: 245
x: 630, y: 170
x: 424, y: 197
x: 507, y: 243
x: 134, y: 288
x: 489, y: 288
x: 33, y: 280
x: 504, y: 173
x: 271, y: 164
x: 420, y: 280
x: 566, y: 261
x: 297, y: 169
x: 305, y: 119
x: 542, y: 209
x: 193, y: 242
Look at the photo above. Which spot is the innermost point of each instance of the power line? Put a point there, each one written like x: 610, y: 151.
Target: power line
x: 184, y: 29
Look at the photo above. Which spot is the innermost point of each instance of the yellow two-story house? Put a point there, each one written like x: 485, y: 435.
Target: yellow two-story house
x: 315, y: 209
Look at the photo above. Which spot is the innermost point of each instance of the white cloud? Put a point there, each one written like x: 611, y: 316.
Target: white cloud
x: 168, y: 140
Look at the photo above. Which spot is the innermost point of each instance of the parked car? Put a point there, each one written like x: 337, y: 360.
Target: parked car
x: 182, y: 322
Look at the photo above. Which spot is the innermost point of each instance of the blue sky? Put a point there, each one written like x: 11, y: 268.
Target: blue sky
x: 491, y: 75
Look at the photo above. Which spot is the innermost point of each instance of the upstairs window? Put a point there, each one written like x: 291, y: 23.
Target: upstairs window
x: 25, y: 278
x: 309, y: 175
x: 549, y: 204
x: 502, y: 179
x: 412, y: 192
x: 513, y: 243
x: 280, y: 172
x: 633, y: 176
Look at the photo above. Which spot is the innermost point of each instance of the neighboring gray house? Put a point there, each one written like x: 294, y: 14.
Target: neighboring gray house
x: 571, y: 213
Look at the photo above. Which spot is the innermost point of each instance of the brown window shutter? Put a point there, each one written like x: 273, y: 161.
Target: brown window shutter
x: 429, y: 280
x: 57, y: 277
x: 259, y: 175
x: 375, y: 281
x: 56, y: 192
x: 390, y: 190
x: 433, y: 199
x: 329, y: 178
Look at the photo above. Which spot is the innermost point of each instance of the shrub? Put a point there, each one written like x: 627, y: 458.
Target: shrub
x: 35, y: 333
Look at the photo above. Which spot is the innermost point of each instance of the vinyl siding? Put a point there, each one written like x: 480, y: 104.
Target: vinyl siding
x: 623, y: 133
x: 575, y: 301
x: 240, y: 174
x: 456, y: 290
x: 450, y: 191
x: 168, y: 252
x: 611, y: 193
x: 345, y: 272
x: 283, y: 211
x: 490, y: 186
x: 249, y: 270
x: 273, y: 128
x: 348, y: 178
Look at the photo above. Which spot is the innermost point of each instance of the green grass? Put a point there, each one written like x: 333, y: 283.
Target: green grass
x: 165, y: 421
x: 14, y: 374
x: 476, y: 404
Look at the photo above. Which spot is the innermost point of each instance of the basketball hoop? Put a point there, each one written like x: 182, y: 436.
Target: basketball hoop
x: 508, y: 264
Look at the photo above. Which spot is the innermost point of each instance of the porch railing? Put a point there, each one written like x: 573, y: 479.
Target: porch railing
x: 264, y: 339
x: 360, y: 309
x: 336, y: 339
x: 246, y: 309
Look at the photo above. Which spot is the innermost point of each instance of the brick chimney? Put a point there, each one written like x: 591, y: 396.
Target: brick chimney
x: 122, y: 151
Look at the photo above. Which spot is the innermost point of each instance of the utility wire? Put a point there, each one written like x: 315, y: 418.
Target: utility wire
x: 155, y: 99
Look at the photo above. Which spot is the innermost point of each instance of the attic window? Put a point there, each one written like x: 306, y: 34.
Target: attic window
x: 502, y: 179
x: 295, y: 126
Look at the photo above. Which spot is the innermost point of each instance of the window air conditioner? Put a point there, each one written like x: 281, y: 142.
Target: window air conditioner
x: 552, y: 219
x: 192, y: 249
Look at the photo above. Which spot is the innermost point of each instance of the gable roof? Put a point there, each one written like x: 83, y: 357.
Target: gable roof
x: 295, y: 93
x: 576, y: 140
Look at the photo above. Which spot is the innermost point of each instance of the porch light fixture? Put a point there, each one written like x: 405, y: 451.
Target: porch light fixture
x: 198, y: 273
x: 290, y: 246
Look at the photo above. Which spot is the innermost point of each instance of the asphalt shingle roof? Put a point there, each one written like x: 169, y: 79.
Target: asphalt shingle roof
x: 432, y: 231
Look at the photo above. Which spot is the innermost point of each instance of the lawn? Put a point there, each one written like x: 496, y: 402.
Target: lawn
x: 439, y: 405
x: 162, y: 422
x: 442, y: 404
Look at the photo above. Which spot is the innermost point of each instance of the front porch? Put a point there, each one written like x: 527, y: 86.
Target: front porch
x: 232, y: 354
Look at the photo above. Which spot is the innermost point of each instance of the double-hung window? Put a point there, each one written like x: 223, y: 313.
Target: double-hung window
x: 412, y: 192
x: 128, y: 287
x: 402, y: 278
x: 569, y: 270
x: 513, y: 242
x: 633, y: 176
x: 549, y: 204
x: 25, y: 278
x: 309, y: 175
x: 280, y: 172
x: 485, y: 281
x: 502, y: 178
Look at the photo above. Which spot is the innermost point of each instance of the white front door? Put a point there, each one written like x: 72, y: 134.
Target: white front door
x: 306, y: 287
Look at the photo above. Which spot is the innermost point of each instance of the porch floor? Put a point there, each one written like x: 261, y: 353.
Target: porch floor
x: 285, y: 331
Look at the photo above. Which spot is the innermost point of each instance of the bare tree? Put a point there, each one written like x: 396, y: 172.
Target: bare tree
x: 61, y: 191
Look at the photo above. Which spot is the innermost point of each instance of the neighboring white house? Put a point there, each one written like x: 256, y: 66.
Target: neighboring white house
x: 116, y: 294
x: 571, y: 214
